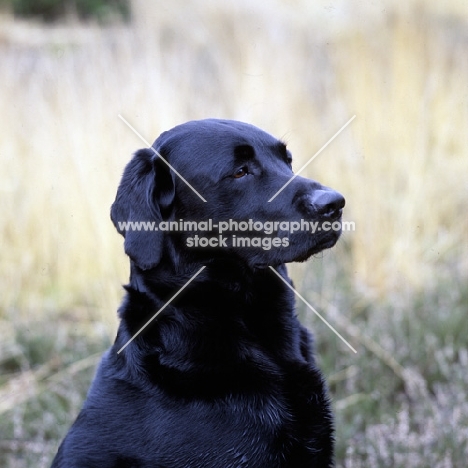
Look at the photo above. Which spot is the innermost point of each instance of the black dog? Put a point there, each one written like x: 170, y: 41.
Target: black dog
x: 224, y: 377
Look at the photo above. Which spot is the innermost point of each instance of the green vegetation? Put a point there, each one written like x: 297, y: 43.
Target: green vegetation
x: 45, y: 371
x: 396, y: 288
x: 54, y: 10
x: 401, y: 400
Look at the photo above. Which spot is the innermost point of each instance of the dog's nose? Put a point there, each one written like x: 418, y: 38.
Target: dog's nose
x: 328, y: 203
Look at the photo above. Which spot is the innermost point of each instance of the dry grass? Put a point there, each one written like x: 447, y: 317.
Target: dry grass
x: 299, y: 72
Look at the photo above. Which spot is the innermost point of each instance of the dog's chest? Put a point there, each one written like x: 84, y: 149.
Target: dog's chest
x: 251, y: 431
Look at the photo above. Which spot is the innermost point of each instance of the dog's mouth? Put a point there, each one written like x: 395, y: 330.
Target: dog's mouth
x: 292, y: 240
x: 337, y: 215
x: 304, y: 245
x: 323, y: 235
x: 323, y: 244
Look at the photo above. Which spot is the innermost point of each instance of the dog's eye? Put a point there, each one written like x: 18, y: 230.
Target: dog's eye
x: 240, y: 173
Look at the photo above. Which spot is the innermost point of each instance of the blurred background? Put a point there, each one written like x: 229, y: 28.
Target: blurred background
x: 396, y: 288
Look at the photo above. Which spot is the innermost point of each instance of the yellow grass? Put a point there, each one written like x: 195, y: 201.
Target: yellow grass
x: 298, y: 72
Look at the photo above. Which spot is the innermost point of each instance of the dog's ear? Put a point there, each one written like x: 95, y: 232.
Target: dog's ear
x: 144, y: 198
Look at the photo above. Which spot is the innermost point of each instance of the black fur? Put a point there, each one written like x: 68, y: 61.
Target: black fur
x: 224, y: 377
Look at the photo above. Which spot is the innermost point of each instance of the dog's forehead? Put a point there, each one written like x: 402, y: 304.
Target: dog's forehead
x: 212, y: 135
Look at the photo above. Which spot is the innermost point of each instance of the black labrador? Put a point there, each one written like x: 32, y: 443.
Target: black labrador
x: 224, y: 376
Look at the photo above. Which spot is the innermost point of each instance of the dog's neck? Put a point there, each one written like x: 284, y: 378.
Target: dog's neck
x: 213, y: 309
x: 136, y: 278
x: 227, y: 273
x: 217, y: 293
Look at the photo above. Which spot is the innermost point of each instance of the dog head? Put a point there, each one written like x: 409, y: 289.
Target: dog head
x: 215, y: 175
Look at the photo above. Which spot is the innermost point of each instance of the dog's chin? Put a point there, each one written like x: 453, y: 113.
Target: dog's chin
x: 326, y: 243
x: 302, y: 247
x: 302, y: 250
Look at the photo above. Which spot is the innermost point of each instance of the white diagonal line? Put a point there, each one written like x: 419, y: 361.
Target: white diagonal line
x: 157, y: 154
x: 312, y: 158
x: 311, y: 308
x: 160, y: 310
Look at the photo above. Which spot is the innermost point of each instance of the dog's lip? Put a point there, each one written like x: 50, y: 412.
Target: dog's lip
x: 339, y: 213
x: 336, y: 216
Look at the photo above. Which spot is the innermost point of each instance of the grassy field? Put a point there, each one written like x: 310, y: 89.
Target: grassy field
x: 396, y: 287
